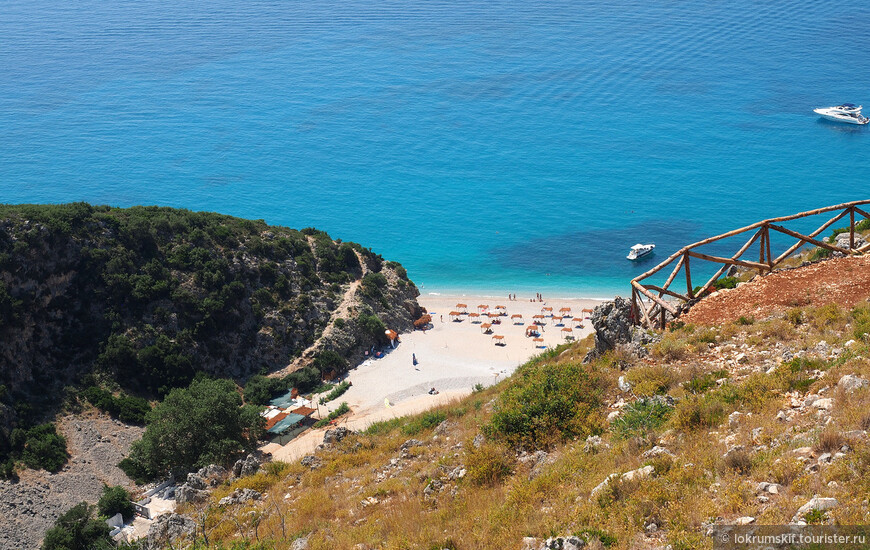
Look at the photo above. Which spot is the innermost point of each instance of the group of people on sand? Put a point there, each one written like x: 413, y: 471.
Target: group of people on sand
x: 537, y: 298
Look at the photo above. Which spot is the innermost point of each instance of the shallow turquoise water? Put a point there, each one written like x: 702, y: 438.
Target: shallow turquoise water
x: 499, y: 146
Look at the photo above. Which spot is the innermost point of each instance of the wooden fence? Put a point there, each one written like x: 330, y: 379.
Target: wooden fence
x: 651, y: 304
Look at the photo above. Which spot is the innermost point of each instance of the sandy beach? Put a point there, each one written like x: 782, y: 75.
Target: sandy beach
x: 452, y: 357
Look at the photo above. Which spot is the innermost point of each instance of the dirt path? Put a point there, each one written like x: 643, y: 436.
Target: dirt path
x: 844, y: 281
x: 341, y: 311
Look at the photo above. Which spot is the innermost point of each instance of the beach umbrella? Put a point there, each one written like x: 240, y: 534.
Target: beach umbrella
x: 482, y: 307
x: 531, y: 329
x: 498, y: 339
x: 579, y: 322
x: 569, y: 333
x: 586, y: 310
x: 539, y: 342
x: 475, y: 317
x: 565, y: 310
x: 486, y: 327
x: 538, y: 319
x: 455, y: 316
x: 517, y: 319
x: 502, y: 310
x: 462, y: 307
x: 546, y: 308
x: 556, y: 319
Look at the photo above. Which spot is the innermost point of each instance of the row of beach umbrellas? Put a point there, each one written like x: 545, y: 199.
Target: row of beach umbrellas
x: 483, y: 310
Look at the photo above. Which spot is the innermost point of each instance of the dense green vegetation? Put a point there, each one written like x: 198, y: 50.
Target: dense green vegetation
x: 126, y: 408
x: 202, y: 424
x: 115, y: 500
x: 78, y: 529
x: 39, y: 447
x: 342, y: 409
x: 259, y: 389
x: 336, y: 392
x: 139, y: 300
x: 545, y: 404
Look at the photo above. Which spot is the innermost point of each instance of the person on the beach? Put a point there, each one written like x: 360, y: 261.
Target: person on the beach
x: 414, y: 359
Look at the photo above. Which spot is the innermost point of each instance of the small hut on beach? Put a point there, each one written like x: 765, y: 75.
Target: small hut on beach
x: 517, y: 318
x: 456, y: 316
x: 462, y: 308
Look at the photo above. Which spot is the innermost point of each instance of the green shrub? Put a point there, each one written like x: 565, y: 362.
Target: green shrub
x: 115, y: 500
x: 304, y: 380
x: 259, y: 389
x: 330, y: 361
x: 544, y: 404
x: 126, y: 408
x: 77, y: 529
x: 373, y: 327
x: 382, y: 427
x: 342, y: 409
x: 745, y: 321
x: 336, y: 392
x: 860, y: 320
x: 424, y: 421
x: 725, y: 282
x: 815, y: 517
x: 44, y: 448
x: 641, y: 418
x: 701, y: 383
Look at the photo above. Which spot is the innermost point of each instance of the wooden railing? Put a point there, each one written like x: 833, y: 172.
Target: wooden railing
x: 651, y: 304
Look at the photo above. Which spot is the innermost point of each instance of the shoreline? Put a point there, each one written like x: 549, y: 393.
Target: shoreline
x: 452, y: 357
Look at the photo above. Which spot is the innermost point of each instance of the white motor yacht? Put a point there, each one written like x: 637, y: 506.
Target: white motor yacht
x: 847, y: 112
x: 639, y: 250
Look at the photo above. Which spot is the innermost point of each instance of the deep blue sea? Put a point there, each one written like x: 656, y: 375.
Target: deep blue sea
x: 495, y: 146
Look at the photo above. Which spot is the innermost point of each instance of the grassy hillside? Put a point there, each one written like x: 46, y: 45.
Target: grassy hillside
x: 718, y: 413
x: 142, y: 299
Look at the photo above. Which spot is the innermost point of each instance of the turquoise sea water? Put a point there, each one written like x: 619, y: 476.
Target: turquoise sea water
x: 499, y: 146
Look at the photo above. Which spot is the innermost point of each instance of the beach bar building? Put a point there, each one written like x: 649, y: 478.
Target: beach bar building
x: 287, y: 416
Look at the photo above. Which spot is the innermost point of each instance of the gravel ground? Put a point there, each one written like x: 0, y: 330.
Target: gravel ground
x: 844, y: 281
x: 29, y: 507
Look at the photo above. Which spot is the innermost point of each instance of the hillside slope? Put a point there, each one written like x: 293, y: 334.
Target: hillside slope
x: 146, y: 297
x: 759, y: 421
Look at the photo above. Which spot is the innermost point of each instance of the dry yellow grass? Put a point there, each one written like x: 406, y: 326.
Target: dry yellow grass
x: 357, y: 497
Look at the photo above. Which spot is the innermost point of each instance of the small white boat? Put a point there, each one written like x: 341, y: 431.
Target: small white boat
x: 640, y: 250
x: 847, y: 112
